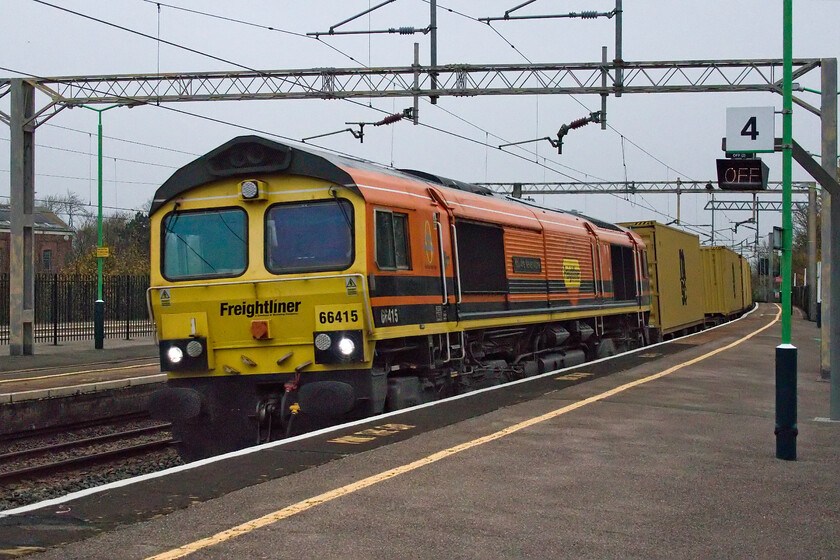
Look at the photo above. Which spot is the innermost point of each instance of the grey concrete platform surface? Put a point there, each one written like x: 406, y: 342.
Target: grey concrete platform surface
x: 73, y: 381
x: 81, y: 352
x: 681, y: 466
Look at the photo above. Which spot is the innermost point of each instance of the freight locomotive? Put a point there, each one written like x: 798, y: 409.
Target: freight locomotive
x: 294, y: 288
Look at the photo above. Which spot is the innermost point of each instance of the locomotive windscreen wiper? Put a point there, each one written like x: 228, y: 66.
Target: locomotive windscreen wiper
x: 334, y: 193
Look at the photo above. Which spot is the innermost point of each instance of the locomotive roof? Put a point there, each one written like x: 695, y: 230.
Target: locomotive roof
x: 246, y: 156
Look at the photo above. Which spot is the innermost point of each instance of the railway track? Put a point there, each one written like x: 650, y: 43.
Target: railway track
x: 69, y: 427
x: 48, y: 463
x: 95, y: 457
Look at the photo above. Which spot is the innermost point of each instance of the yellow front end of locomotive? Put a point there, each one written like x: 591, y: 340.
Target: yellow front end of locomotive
x: 241, y: 287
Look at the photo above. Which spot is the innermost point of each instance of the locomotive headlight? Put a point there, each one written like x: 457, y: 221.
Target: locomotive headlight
x: 346, y: 346
x: 175, y: 354
x: 339, y: 347
x: 185, y: 354
x: 249, y: 189
x: 323, y: 341
x: 194, y: 349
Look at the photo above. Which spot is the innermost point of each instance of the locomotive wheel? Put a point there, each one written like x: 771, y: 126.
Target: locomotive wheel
x: 606, y: 348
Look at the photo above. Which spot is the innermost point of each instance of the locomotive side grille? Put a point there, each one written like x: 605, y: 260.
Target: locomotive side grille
x: 516, y: 286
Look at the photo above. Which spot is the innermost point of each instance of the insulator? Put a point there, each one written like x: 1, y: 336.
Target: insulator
x: 589, y: 14
x: 578, y: 123
x: 389, y: 119
x: 407, y: 31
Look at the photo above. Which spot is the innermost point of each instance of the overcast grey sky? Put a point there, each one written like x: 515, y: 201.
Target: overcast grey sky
x: 656, y: 136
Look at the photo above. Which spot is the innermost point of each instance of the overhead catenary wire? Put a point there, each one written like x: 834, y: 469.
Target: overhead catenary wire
x: 69, y: 150
x: 250, y: 24
x: 527, y: 59
x: 77, y: 178
x: 134, y: 142
x: 270, y: 28
x: 196, y: 51
x: 118, y: 208
x: 647, y: 204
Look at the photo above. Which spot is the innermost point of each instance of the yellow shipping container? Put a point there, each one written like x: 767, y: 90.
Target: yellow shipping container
x: 676, y: 285
x: 746, y: 283
x: 724, y: 283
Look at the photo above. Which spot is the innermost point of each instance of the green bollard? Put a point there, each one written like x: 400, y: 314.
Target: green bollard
x: 98, y: 324
x: 786, y: 430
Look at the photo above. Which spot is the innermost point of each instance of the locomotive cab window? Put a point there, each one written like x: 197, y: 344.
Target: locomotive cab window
x: 392, y: 240
x: 205, y: 244
x: 309, y: 236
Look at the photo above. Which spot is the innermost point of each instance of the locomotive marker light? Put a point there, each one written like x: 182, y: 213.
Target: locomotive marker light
x: 252, y: 190
x: 323, y: 342
x: 339, y: 347
x: 194, y: 348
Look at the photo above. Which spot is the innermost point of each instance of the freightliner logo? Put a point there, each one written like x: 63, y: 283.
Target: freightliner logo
x: 267, y: 307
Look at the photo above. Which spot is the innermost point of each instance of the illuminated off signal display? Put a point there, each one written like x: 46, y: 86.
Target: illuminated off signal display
x: 742, y: 174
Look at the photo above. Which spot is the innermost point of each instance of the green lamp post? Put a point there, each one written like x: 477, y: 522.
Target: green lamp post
x: 99, y: 305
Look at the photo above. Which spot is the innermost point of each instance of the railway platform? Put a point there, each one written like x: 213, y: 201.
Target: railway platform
x: 76, y: 353
x: 70, y: 381
x: 665, y: 453
x: 76, y: 363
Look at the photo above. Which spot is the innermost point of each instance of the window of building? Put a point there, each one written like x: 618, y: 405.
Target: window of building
x: 392, y: 251
x: 46, y: 260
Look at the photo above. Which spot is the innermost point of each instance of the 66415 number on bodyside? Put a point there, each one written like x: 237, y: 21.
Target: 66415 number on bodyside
x: 333, y: 317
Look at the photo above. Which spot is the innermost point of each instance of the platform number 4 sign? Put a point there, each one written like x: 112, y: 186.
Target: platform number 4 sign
x: 750, y: 129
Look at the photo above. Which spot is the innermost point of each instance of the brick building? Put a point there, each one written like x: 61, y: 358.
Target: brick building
x: 53, y: 240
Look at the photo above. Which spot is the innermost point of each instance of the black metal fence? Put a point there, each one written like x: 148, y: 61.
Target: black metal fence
x: 64, y: 307
x: 800, y: 297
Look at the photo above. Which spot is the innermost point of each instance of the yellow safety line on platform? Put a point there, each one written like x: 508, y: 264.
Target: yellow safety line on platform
x: 304, y: 505
x: 21, y: 379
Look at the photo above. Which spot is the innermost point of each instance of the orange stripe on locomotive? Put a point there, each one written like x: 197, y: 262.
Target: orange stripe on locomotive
x: 564, y: 260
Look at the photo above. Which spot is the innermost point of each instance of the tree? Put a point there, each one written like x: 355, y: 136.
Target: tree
x: 67, y: 206
x: 799, y: 252
x: 126, y: 235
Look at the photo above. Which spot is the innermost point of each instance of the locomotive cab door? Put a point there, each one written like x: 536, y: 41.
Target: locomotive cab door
x: 446, y: 255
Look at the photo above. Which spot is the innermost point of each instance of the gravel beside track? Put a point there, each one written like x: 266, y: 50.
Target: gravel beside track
x: 55, y: 483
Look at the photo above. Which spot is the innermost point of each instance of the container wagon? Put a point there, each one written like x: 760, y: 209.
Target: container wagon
x: 673, y: 262
x: 723, y: 284
x: 746, y: 283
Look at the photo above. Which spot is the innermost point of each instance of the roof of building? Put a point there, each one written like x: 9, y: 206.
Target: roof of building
x: 44, y: 221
